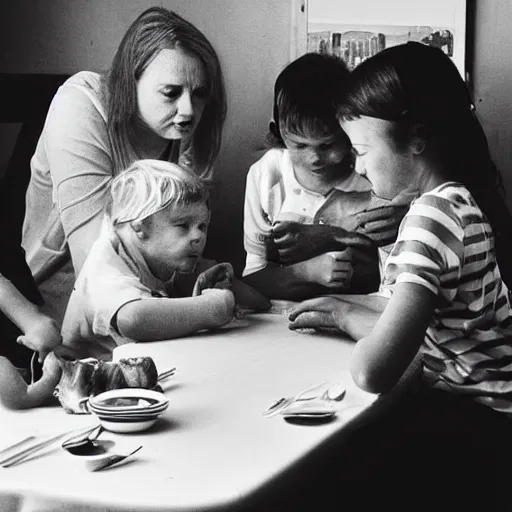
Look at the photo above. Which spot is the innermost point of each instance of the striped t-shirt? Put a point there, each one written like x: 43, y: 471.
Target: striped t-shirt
x: 446, y: 244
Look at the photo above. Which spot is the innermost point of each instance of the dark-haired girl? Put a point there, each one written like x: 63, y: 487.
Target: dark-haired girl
x: 442, y: 301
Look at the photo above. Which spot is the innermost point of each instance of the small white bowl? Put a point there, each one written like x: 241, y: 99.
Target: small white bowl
x: 107, y: 400
x: 122, y: 427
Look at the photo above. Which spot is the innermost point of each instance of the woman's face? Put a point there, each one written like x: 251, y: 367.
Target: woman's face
x: 390, y: 170
x: 172, y: 93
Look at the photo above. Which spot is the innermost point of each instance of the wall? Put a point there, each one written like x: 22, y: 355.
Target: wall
x: 492, y: 79
x: 251, y: 37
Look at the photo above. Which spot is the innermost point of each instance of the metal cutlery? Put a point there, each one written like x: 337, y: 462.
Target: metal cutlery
x: 28, y: 451
x: 109, y: 460
x: 8, y: 452
x: 333, y: 393
x: 165, y: 374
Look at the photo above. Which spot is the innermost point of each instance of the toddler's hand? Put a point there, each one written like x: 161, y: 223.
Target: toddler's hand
x: 332, y: 269
x: 43, y: 336
x: 222, y: 306
x: 219, y: 276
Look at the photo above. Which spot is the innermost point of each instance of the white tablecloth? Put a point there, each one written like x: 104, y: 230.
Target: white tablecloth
x: 212, y: 447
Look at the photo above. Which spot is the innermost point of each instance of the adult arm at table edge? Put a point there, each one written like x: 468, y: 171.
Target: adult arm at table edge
x: 165, y: 318
x: 39, y: 332
x: 16, y: 394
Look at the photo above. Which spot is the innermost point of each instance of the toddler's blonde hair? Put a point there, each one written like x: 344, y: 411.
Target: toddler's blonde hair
x: 148, y: 186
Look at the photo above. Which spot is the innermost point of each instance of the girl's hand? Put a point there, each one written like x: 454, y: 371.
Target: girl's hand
x: 219, y: 276
x: 321, y: 312
x: 43, y: 336
x: 332, y: 269
x: 381, y: 224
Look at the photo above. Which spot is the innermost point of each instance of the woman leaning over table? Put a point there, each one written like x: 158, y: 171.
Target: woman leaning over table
x: 162, y: 98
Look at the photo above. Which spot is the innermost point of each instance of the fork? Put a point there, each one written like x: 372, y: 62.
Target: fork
x: 165, y: 374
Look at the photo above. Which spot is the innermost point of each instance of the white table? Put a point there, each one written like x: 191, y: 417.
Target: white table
x: 212, y: 448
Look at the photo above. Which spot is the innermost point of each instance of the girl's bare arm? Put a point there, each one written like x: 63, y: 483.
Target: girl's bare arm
x: 380, y: 358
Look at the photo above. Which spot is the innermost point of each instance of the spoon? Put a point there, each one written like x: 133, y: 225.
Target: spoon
x: 84, y: 444
x: 97, y: 464
x: 336, y: 392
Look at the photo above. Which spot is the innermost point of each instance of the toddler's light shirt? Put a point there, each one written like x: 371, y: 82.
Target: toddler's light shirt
x: 112, y: 276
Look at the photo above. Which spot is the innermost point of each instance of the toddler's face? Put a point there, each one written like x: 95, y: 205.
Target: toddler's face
x: 389, y: 170
x: 176, y: 239
x: 319, y: 155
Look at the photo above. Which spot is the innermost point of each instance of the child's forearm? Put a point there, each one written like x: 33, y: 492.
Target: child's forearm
x: 16, y: 307
x: 291, y: 282
x: 164, y: 318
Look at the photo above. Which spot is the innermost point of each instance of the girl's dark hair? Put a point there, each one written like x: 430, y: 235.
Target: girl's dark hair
x: 415, y: 84
x: 305, y: 96
x: 154, y: 30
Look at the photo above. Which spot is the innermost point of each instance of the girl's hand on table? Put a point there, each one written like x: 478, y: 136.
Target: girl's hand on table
x: 320, y: 312
x: 42, y: 336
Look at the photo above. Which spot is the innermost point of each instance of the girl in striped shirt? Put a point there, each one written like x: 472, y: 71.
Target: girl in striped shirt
x: 442, y: 302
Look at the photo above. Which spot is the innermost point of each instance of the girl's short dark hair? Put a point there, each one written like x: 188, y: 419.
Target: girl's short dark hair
x: 305, y: 96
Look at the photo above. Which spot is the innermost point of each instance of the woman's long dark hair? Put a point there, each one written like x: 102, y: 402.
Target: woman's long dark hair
x: 415, y: 84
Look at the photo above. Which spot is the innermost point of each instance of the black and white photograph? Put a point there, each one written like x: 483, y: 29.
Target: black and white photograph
x: 256, y: 255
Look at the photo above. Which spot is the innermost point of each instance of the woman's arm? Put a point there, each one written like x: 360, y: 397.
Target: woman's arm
x: 40, y: 332
x: 165, y: 318
x: 380, y: 358
x: 78, y: 152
